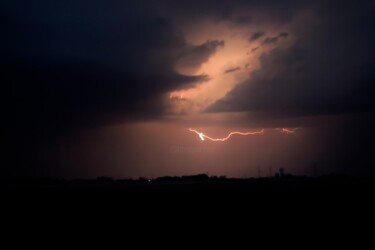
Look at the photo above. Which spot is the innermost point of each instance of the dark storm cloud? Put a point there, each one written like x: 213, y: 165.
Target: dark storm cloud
x: 328, y: 70
x: 241, y: 12
x: 75, y: 64
x: 256, y: 36
x: 78, y: 61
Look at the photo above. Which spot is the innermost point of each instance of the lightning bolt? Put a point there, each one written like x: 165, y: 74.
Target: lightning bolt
x: 203, y: 136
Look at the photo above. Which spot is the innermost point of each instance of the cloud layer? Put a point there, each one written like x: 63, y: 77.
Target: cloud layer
x: 72, y: 65
x: 326, y: 71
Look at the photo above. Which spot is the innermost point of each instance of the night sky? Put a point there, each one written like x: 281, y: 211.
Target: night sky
x: 111, y: 88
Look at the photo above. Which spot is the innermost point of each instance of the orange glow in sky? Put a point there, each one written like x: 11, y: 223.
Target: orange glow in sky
x: 237, y: 53
x: 234, y: 54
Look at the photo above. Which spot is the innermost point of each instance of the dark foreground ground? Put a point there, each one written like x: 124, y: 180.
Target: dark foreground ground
x: 198, y: 196
x: 198, y: 186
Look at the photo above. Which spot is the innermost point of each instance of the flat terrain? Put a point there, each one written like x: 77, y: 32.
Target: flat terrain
x: 199, y: 185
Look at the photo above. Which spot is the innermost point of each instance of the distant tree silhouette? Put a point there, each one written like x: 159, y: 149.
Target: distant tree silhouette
x: 281, y: 173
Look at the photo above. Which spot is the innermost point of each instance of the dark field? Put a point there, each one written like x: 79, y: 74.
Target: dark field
x: 289, y: 187
x: 196, y: 200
